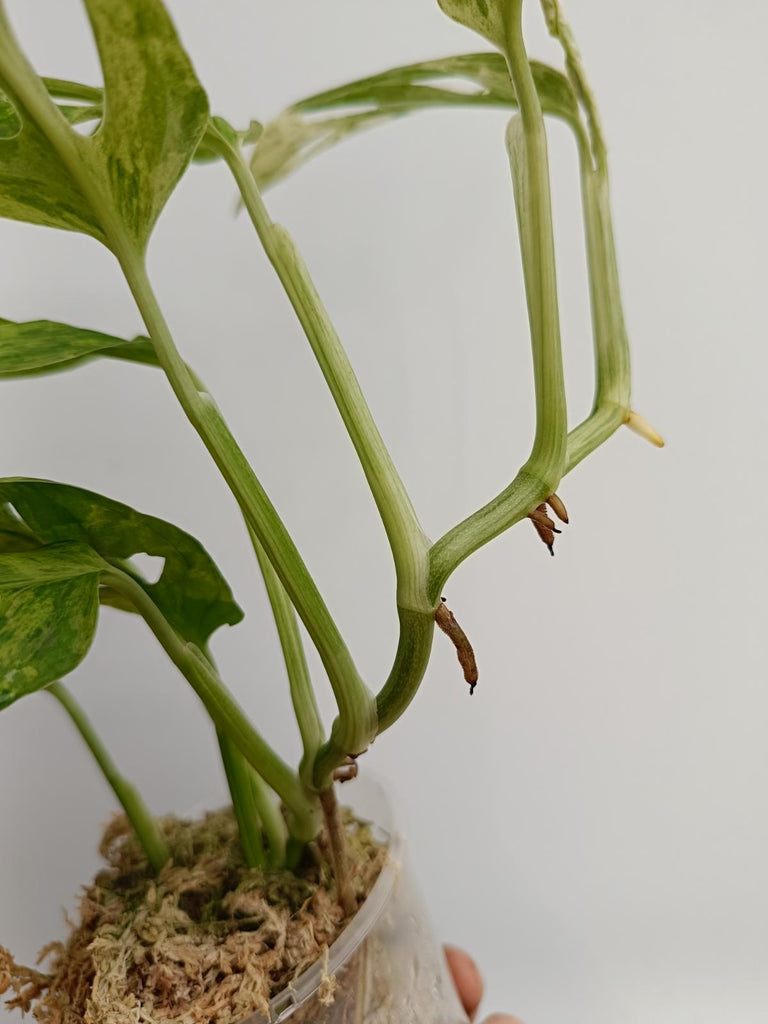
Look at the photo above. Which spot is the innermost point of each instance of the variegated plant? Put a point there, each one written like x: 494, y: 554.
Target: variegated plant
x: 65, y: 551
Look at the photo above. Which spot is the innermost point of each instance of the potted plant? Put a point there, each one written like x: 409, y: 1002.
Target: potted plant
x: 282, y: 904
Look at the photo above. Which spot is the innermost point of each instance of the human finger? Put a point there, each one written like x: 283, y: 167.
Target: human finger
x: 466, y: 978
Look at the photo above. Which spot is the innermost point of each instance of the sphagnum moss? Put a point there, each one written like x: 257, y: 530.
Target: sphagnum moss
x: 207, y: 939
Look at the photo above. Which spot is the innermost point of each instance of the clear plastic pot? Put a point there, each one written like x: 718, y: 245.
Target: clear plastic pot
x: 387, y: 966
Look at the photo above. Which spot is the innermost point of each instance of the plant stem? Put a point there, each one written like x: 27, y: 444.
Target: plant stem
x: 337, y: 843
x: 239, y: 775
x: 63, y: 89
x: 144, y: 824
x: 407, y: 540
x: 356, y: 706
x: 530, y: 167
x: 411, y: 659
x: 612, y: 362
x: 540, y: 475
x: 221, y: 705
x: 300, y: 682
x: 414, y: 645
x: 272, y: 820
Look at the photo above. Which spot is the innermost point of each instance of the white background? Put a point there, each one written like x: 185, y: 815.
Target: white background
x: 592, y: 824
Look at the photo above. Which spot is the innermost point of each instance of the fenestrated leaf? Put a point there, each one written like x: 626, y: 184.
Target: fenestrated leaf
x: 155, y: 109
x: 483, y: 16
x: 48, y: 610
x: 301, y: 132
x: 43, y: 346
x: 190, y: 592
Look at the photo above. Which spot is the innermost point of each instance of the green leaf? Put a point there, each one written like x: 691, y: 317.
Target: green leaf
x: 300, y: 132
x: 43, y: 346
x: 80, y: 113
x: 48, y: 610
x: 14, y: 535
x: 483, y: 16
x: 156, y: 109
x: 191, y: 592
x: 10, y: 122
x: 35, y: 183
x: 114, y: 183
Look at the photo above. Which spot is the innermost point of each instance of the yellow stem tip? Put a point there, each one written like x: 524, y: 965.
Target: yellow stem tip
x: 641, y: 426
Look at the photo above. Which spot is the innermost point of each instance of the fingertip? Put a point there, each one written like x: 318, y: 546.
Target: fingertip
x: 502, y: 1018
x: 466, y: 978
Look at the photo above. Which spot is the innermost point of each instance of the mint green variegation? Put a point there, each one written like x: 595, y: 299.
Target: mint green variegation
x: 42, y: 346
x: 48, y: 609
x: 156, y: 111
x: 485, y: 17
x: 191, y: 592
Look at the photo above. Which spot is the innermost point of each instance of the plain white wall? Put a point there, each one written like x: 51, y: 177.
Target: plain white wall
x: 592, y: 824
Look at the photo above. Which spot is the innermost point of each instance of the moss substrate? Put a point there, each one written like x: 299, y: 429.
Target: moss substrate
x: 206, y: 940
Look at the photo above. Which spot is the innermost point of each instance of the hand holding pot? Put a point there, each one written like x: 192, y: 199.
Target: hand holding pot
x: 469, y: 985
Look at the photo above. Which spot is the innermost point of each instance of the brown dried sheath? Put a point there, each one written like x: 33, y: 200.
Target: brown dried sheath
x: 446, y: 620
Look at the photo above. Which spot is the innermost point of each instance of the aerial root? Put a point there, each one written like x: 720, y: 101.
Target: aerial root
x: 347, y: 771
x: 639, y: 425
x: 544, y: 526
x: 445, y: 619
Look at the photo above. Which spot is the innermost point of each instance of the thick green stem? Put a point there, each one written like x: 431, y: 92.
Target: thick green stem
x: 612, y: 364
x: 401, y: 686
x: 221, y: 706
x: 407, y: 540
x: 411, y: 660
x: 300, y: 682
x: 527, y: 140
x: 239, y: 775
x: 612, y: 361
x: 142, y: 821
x: 540, y: 475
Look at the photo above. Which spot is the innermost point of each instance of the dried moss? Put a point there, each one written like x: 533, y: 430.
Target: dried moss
x: 206, y: 940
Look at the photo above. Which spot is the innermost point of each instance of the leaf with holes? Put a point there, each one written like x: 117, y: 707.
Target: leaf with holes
x: 191, y: 592
x: 49, y: 602
x: 42, y: 346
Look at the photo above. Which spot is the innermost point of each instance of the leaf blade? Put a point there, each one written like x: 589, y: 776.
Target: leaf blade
x: 156, y: 110
x: 191, y: 592
x: 48, y: 612
x: 299, y: 133
x: 44, y: 346
x: 36, y: 185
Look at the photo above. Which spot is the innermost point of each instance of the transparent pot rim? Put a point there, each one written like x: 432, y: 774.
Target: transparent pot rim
x: 285, y: 1003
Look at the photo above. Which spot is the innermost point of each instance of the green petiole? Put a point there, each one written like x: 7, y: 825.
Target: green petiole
x: 144, y: 824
